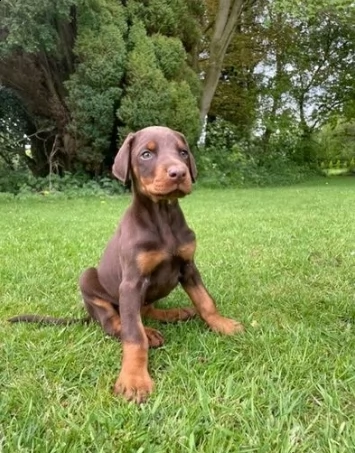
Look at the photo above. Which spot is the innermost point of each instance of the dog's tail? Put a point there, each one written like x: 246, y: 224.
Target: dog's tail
x: 49, y: 320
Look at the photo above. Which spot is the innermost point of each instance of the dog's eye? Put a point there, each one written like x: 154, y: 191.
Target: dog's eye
x: 184, y: 154
x: 146, y: 155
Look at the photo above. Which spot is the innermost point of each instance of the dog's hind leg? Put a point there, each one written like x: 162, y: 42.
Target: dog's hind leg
x: 105, y: 313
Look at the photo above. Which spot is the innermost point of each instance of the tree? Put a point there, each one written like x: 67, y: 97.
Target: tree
x: 95, y: 87
x: 236, y: 96
x: 276, y: 19
x: 13, y: 121
x: 306, y: 78
x: 336, y: 141
x: 224, y: 26
x: 157, y: 65
x: 36, y: 40
x: 74, y: 65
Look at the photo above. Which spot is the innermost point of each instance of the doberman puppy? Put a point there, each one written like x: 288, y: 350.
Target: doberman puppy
x: 151, y: 252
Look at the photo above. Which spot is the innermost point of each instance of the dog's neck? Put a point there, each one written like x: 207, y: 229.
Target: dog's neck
x: 164, y: 220
x: 142, y: 201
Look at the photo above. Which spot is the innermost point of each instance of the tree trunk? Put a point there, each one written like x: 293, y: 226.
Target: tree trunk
x: 38, y: 80
x: 226, y: 21
x: 276, y: 97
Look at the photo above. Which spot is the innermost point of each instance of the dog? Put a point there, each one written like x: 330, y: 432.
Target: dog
x: 150, y: 254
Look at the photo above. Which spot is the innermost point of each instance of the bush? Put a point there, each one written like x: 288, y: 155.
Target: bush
x: 228, y: 160
x: 11, y: 181
x: 156, y: 94
x: 237, y: 169
x: 336, y: 141
x: 70, y: 184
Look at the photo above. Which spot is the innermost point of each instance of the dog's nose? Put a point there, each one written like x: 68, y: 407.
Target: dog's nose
x: 177, y: 173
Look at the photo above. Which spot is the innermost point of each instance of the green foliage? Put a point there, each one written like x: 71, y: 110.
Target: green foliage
x: 151, y: 97
x: 76, y: 62
x: 336, y: 148
x: 236, y: 96
x: 228, y: 161
x: 184, y: 111
x: 336, y: 141
x: 291, y: 144
x: 236, y: 169
x: 30, y: 24
x: 306, y: 10
x: 23, y: 183
x: 94, y: 88
x: 180, y: 18
x: 170, y: 55
x: 12, y: 181
x: 288, y: 63
x: 13, y: 120
x: 147, y: 94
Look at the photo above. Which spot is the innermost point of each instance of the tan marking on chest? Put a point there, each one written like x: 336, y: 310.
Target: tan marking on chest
x: 187, y: 251
x: 148, y: 261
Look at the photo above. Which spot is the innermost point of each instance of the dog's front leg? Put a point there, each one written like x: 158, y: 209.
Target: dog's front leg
x: 193, y: 285
x: 133, y: 382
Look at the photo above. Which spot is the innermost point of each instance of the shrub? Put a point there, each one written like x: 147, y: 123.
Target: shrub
x: 69, y: 184
x: 228, y: 160
x: 11, y: 181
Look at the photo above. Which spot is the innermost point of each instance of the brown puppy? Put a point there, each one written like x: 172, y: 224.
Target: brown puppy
x: 151, y: 252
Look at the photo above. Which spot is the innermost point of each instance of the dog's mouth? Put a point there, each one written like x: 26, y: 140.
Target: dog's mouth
x: 171, y: 193
x: 160, y: 189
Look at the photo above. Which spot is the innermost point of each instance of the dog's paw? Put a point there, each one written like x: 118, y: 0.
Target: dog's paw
x: 155, y: 338
x: 135, y: 388
x: 225, y: 326
x: 186, y: 313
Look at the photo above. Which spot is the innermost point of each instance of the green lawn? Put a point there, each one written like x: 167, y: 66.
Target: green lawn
x: 282, y: 260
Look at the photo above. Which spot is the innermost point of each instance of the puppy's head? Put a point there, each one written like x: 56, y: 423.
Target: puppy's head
x: 158, y: 161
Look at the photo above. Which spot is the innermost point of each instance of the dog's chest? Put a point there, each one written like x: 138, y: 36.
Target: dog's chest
x: 162, y: 280
x: 166, y: 256
x: 162, y: 267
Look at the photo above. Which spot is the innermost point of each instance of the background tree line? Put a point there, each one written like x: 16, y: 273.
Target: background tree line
x: 274, y: 80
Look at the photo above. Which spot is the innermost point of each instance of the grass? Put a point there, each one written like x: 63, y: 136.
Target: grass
x: 281, y: 260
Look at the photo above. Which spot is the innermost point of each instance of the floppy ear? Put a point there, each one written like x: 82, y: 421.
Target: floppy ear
x: 192, y: 163
x: 122, y: 165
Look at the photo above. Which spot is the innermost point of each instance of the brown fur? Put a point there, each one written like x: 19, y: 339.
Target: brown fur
x: 151, y: 146
x: 148, y: 261
x: 151, y: 252
x: 187, y: 251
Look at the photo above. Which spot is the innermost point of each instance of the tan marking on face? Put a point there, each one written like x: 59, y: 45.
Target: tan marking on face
x: 151, y: 146
x: 160, y: 184
x: 187, y: 251
x: 148, y: 261
x: 135, y: 171
x: 181, y: 144
x: 146, y: 184
x: 156, y: 181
